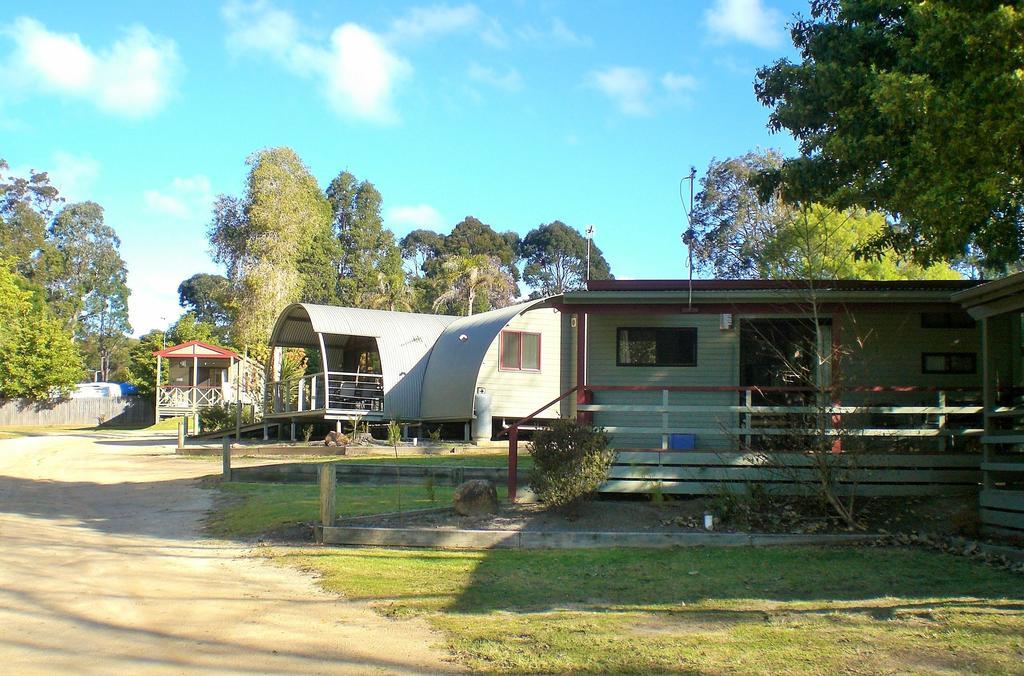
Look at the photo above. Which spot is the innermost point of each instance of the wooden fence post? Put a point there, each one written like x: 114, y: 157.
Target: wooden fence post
x: 181, y: 434
x: 748, y: 419
x: 225, y: 458
x: 328, y: 477
x: 513, y: 464
x: 941, y: 422
x: 664, y: 420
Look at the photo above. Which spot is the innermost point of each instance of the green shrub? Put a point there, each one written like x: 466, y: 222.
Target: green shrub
x: 222, y: 417
x: 570, y: 460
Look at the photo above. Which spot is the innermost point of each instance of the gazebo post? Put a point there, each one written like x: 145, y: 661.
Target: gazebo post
x: 195, y: 391
x: 195, y: 378
x: 156, y: 403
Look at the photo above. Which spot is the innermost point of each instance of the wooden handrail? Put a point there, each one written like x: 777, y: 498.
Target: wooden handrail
x: 515, y: 425
x: 513, y: 442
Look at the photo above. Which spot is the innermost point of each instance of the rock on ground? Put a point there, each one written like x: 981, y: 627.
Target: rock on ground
x: 476, y: 497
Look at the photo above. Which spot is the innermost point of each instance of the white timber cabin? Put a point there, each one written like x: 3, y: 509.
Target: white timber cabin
x: 376, y: 366
x: 199, y: 376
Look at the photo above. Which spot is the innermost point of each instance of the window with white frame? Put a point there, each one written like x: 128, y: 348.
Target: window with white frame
x: 520, y: 351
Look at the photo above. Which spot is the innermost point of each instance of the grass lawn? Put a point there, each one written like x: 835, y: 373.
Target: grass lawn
x: 794, y: 609
x: 254, y: 508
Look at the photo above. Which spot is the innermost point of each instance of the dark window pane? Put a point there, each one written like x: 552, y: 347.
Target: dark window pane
x: 657, y: 347
x: 947, y: 320
x: 509, y: 350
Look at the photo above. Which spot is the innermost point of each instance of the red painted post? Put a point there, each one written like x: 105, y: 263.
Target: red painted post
x: 513, y: 463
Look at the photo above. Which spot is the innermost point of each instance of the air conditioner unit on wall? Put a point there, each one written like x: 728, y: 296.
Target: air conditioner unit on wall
x: 725, y: 321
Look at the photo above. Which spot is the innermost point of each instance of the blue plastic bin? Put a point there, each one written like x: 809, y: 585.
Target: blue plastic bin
x: 682, y: 442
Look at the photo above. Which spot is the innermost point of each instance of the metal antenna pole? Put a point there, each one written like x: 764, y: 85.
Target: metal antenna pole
x: 590, y: 236
x: 688, y: 235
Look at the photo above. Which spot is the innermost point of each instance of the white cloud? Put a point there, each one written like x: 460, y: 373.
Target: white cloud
x: 185, y: 198
x: 421, y: 23
x: 557, y: 33
x: 493, y: 33
x: 361, y: 74
x: 74, y: 175
x: 629, y: 88
x: 133, y: 78
x: 674, y: 82
x: 357, y: 72
x: 257, y: 26
x: 414, y: 216
x: 745, y: 21
x: 509, y: 80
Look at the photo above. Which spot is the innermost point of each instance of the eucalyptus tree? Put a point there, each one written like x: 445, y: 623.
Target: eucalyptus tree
x: 737, y: 233
x: 556, y: 258
x: 260, y: 237
x: 367, y: 250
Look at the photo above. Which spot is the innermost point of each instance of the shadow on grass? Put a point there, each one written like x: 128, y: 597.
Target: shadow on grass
x: 617, y: 580
x: 639, y: 579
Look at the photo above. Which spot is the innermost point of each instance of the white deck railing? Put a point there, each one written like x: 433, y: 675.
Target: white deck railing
x: 335, y: 391
x: 179, y: 397
x: 747, y: 421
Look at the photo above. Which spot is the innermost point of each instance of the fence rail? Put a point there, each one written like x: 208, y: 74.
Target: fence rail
x: 948, y: 416
x: 694, y: 473
x: 85, y: 411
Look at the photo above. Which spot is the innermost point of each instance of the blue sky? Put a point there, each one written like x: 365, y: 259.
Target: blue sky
x: 518, y: 113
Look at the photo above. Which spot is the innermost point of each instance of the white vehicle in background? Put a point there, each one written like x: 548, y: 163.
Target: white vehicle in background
x: 94, y: 390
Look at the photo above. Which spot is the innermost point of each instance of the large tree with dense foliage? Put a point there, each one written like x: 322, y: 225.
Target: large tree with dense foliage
x: 420, y: 246
x: 37, y: 356
x: 427, y: 253
x: 369, y: 256
x: 914, y: 109
x: 556, y: 260
x: 208, y: 297
x: 738, y: 234
x: 260, y: 238
x: 73, y: 256
x: 26, y: 207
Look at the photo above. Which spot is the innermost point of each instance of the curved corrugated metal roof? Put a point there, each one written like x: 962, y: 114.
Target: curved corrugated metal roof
x: 404, y: 340
x: 449, y: 382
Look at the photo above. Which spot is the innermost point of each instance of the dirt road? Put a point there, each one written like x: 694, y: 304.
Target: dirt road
x: 103, y: 569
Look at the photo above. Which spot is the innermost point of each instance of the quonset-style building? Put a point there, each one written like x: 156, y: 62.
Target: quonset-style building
x: 376, y: 365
